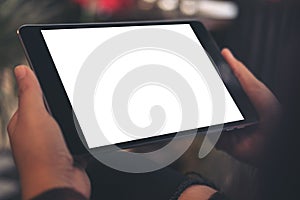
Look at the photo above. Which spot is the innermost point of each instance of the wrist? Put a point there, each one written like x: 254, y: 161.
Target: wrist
x: 197, y: 192
x: 38, y: 181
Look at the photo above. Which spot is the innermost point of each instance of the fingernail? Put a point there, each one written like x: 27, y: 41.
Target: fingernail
x: 20, y: 72
x: 229, y: 51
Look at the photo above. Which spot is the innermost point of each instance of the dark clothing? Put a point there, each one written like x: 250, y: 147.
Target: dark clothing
x: 60, y: 194
x: 69, y: 194
x: 107, y: 183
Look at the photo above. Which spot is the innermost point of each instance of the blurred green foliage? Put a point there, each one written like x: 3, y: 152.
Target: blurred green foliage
x: 13, y: 14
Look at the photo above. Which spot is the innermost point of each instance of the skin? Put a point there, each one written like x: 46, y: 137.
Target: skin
x: 44, y: 162
x: 39, y: 149
x: 251, y: 145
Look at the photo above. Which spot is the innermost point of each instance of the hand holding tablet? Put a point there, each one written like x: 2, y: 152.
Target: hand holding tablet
x: 250, y: 145
x: 40, y: 152
x: 24, y: 125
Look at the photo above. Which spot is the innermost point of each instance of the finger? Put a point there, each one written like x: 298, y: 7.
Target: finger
x: 229, y: 140
x: 30, y: 94
x: 257, y: 92
x: 245, y: 77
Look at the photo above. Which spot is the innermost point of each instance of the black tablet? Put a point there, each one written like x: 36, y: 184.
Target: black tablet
x: 133, y: 82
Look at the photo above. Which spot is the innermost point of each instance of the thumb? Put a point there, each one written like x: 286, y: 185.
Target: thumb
x: 245, y: 77
x: 247, y: 80
x: 260, y: 96
x: 29, y: 91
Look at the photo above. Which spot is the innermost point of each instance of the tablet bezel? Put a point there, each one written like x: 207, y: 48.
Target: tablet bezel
x: 60, y: 107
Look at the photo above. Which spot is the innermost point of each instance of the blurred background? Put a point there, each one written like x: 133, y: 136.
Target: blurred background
x: 264, y: 34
